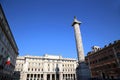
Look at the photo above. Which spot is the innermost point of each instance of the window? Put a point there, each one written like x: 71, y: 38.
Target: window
x: 35, y: 69
x: 38, y: 75
x: 2, y: 49
x: 31, y: 75
x: 27, y: 75
x: 35, y: 75
x: 111, y: 56
x: 118, y: 54
x: 28, y: 69
x: 117, y: 47
x: 114, y: 65
x: 41, y: 75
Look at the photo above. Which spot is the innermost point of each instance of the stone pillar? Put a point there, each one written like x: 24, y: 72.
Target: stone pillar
x: 25, y: 66
x: 40, y: 77
x: 55, y: 76
x: 45, y: 66
x: 82, y: 69
x: 79, y: 46
x: 70, y: 77
x: 25, y: 69
x: 24, y: 77
x: 33, y: 76
x: 67, y: 76
x: 44, y: 76
x: 37, y: 77
x: 60, y: 76
x: 64, y: 76
x: 50, y: 76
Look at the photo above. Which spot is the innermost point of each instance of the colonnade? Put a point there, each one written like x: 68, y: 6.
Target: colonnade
x: 50, y: 76
x: 69, y: 77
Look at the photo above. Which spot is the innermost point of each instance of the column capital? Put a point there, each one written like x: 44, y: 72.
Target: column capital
x: 75, y: 21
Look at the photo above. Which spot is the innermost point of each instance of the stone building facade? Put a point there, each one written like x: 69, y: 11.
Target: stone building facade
x: 105, y: 62
x: 8, y: 48
x: 47, y: 67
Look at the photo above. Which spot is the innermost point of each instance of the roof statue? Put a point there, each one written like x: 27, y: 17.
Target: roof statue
x: 75, y: 21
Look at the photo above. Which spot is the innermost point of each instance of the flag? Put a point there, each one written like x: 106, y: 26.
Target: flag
x: 8, y: 60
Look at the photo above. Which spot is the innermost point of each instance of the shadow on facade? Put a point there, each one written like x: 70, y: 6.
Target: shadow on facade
x: 4, y: 73
x: 16, y: 75
x: 5, y: 77
x: 102, y: 79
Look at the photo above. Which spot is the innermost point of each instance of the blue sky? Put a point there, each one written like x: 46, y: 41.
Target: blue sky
x: 44, y: 26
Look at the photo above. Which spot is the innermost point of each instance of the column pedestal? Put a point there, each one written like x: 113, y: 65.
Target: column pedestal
x: 83, y: 72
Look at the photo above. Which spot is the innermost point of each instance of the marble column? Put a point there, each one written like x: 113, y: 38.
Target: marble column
x: 24, y: 76
x: 50, y: 76
x: 82, y: 69
x: 55, y: 76
x: 78, y: 38
x: 60, y: 76
x: 44, y: 76
x: 40, y: 77
x: 33, y: 77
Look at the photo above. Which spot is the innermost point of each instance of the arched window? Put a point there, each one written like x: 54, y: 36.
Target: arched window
x: 42, y: 69
x: 28, y: 69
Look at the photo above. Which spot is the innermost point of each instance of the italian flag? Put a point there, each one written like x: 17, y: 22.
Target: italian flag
x: 8, y: 60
